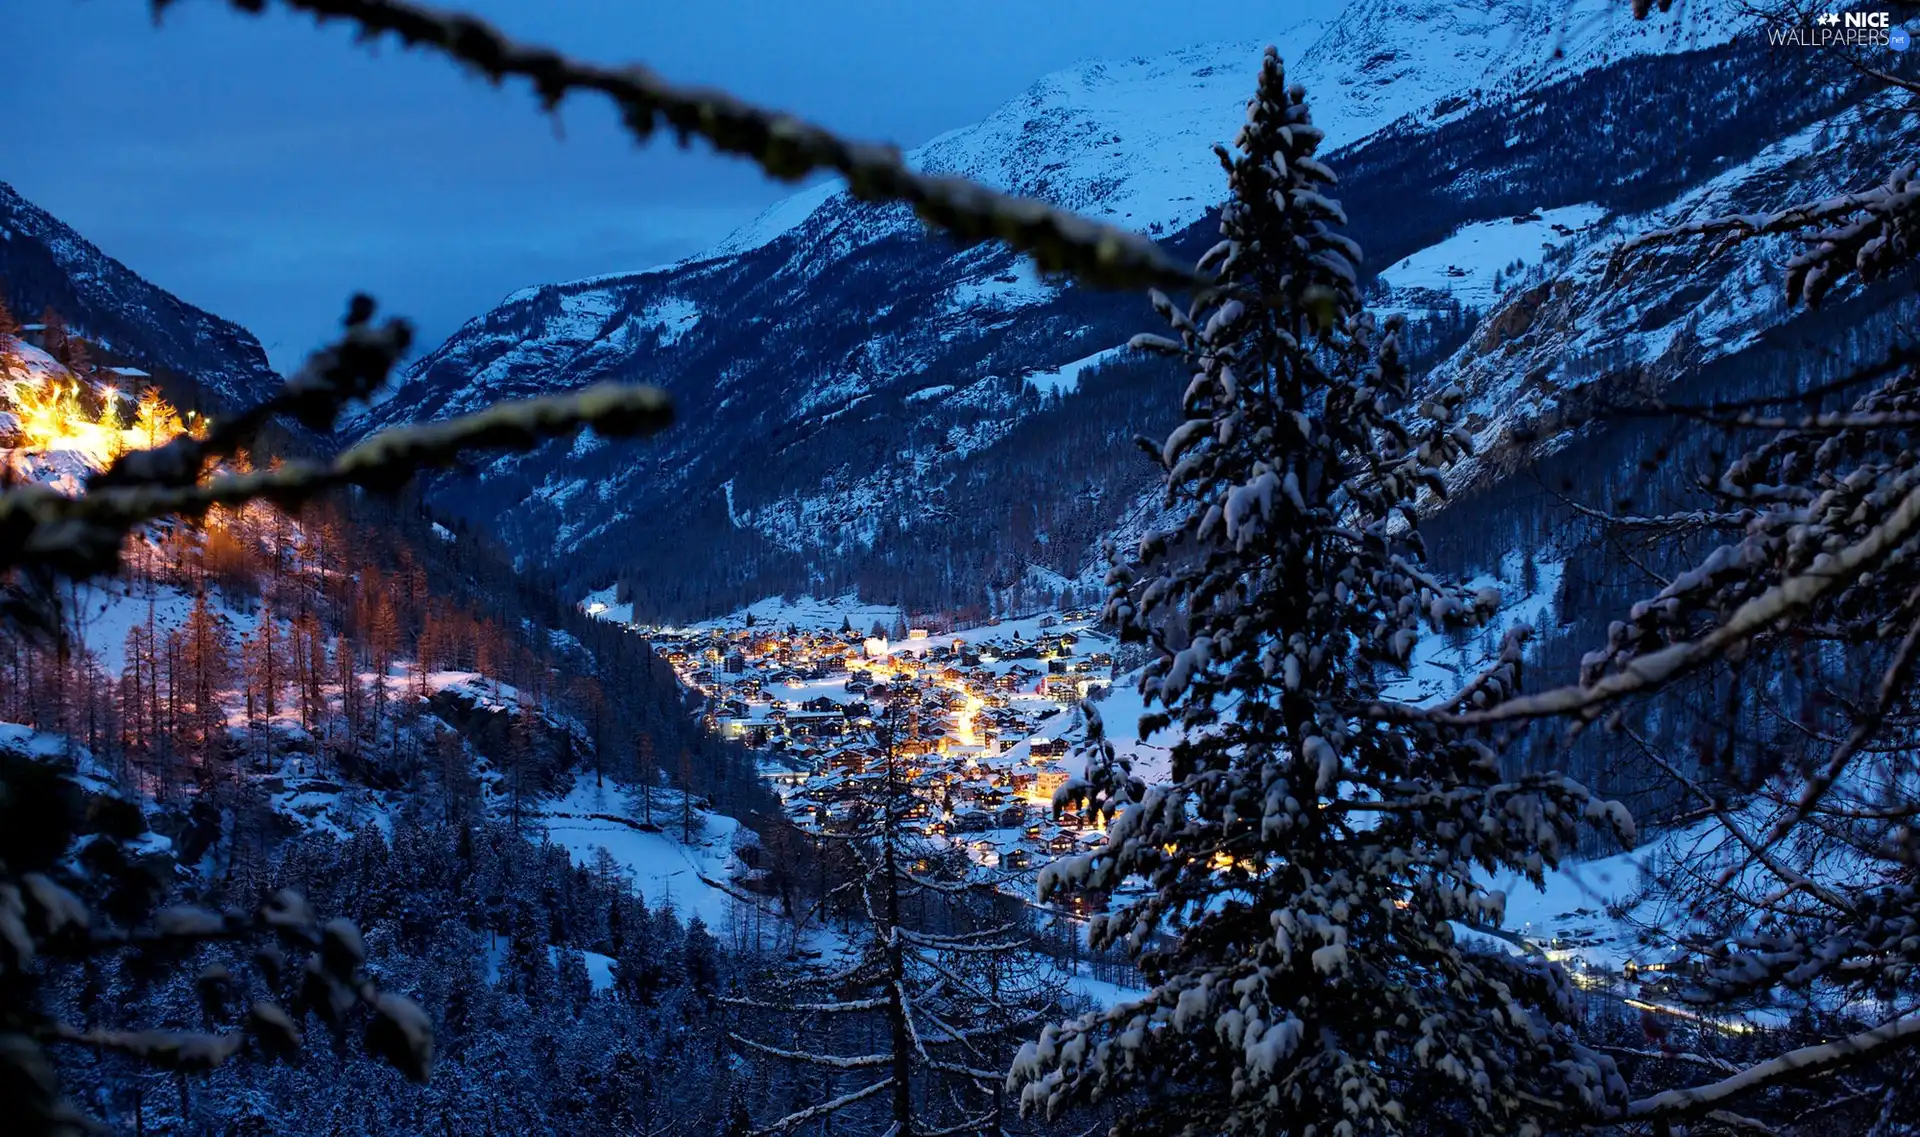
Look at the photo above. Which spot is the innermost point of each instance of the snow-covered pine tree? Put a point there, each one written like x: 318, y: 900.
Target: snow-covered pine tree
x: 1314, y: 848
x: 933, y: 971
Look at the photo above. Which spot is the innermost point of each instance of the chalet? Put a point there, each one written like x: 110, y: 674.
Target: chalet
x: 972, y: 821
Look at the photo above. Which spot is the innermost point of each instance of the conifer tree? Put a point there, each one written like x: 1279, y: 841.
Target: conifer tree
x: 1314, y: 847
x: 351, y: 699
x: 265, y: 652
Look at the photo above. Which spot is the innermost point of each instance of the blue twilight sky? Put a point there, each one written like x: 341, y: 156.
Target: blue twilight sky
x: 264, y: 170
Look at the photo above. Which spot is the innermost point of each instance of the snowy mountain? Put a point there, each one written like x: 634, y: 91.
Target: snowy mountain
x: 866, y: 406
x: 45, y: 264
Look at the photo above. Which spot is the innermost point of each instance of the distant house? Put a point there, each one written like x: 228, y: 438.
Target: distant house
x: 972, y: 821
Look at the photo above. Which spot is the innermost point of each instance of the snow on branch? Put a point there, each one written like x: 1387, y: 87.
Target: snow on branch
x: 801, y: 1117
x: 1866, y: 234
x: 846, y: 1007
x: 1795, y: 1064
x: 833, y: 1061
x: 785, y: 147
x: 1656, y: 669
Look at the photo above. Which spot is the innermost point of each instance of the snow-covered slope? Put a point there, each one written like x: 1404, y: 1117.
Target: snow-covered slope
x: 855, y: 395
x: 1579, y: 330
x: 1125, y: 140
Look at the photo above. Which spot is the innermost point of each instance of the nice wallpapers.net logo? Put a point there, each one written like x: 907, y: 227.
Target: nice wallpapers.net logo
x: 1834, y: 29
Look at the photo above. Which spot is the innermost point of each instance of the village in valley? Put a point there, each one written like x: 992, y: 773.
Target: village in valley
x: 982, y: 721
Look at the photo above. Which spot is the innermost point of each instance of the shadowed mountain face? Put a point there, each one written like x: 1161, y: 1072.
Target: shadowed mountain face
x: 864, y: 405
x: 44, y: 264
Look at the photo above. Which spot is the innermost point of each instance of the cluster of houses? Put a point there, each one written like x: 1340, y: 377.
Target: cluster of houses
x: 968, y: 725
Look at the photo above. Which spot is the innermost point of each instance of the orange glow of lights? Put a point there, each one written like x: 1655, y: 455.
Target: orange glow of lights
x: 61, y: 415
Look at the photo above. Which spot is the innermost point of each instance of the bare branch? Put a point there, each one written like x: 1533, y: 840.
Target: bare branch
x: 1795, y: 1064
x: 801, y: 1117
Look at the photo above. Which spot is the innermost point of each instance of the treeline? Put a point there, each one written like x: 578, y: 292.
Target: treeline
x: 490, y: 932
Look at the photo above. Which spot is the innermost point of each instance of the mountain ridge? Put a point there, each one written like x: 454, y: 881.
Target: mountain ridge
x: 854, y: 392
x: 45, y: 263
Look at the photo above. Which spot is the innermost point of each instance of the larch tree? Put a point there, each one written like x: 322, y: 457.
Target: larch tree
x: 1315, y: 846
x: 207, y: 657
x: 942, y: 982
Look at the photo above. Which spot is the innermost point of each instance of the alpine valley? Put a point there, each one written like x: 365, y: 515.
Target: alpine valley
x: 782, y: 772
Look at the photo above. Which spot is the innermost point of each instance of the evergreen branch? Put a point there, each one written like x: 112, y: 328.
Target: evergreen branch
x: 785, y: 147
x: 809, y: 1008
x: 947, y: 945
x: 1864, y: 234
x: 1893, y: 683
x: 1657, y: 669
x: 985, y: 1123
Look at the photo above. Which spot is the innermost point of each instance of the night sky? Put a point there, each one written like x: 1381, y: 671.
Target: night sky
x: 265, y: 170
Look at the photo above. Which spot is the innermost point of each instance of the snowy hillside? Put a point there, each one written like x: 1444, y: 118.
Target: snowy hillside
x: 1573, y: 325
x: 847, y: 383
x: 249, y: 648
x: 1125, y: 140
